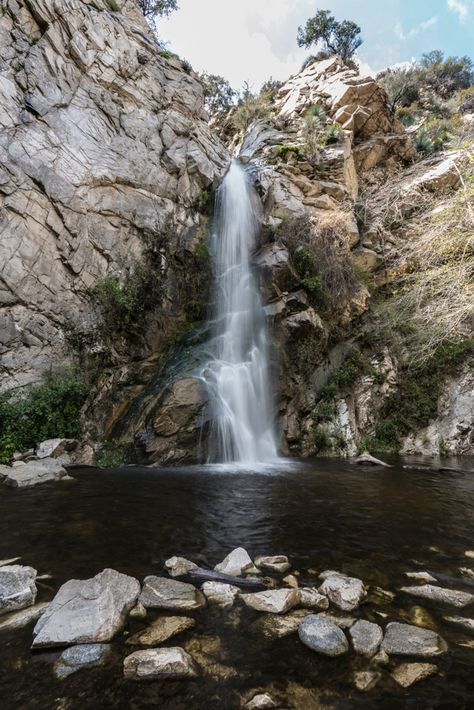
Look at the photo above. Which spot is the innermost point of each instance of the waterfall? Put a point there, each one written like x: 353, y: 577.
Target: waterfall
x: 237, y: 373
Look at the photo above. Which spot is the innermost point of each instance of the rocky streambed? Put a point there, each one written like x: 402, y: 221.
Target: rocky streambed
x: 320, y: 624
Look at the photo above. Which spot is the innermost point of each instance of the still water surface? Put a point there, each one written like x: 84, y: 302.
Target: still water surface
x: 375, y: 524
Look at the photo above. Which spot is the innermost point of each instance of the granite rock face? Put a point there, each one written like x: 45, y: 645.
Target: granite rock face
x: 102, y: 139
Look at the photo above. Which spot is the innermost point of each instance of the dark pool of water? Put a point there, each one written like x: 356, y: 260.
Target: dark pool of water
x: 371, y: 523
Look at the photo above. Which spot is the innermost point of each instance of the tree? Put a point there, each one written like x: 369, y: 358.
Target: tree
x: 341, y: 38
x: 218, y: 93
x: 446, y: 75
x: 157, y: 8
x: 402, y: 86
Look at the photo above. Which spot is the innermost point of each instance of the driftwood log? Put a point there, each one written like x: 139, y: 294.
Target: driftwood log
x: 207, y: 575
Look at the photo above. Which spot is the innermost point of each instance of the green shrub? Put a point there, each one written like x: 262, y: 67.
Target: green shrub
x: 285, y: 150
x: 113, y: 455
x: 45, y: 411
x: 315, y: 110
x: 331, y: 134
x: 321, y: 438
x: 187, y: 67
x: 249, y: 109
x: 114, y: 6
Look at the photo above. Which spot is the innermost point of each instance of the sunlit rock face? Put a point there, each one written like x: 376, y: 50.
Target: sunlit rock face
x: 102, y: 139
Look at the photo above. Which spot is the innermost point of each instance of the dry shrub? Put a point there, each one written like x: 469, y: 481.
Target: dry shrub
x: 432, y: 301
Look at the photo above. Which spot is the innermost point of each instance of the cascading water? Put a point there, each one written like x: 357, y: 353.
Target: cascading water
x: 237, y: 373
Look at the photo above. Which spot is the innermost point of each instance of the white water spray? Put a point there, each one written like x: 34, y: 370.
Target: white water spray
x: 237, y: 375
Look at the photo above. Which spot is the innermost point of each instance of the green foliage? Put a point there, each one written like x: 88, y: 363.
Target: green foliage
x: 269, y: 90
x: 343, y: 378
x: 160, y: 8
x: 416, y: 400
x: 166, y: 54
x: 285, y: 150
x: 219, y: 96
x: 331, y: 134
x: 321, y: 438
x: 341, y: 38
x: 45, y: 411
x: 113, y: 455
x: 249, y: 109
x: 114, y: 6
x: 308, y: 353
x: 316, y: 110
x: 187, y: 67
x: 432, y: 136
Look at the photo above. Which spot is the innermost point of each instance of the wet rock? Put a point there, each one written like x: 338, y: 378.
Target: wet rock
x: 138, y: 612
x: 277, y: 563
x: 311, y: 599
x: 275, y: 601
x: 344, y: 592
x: 366, y: 637
x: 272, y: 626
x: 17, y: 588
x: 82, y: 656
x: 344, y: 622
x: 236, y: 563
x: 322, y: 636
x: 87, y: 611
x: 421, y: 576
x: 159, y: 664
x: 162, y: 593
x: 440, y: 595
x: 19, y: 619
x: 179, y: 566
x: 366, y: 680
x: 262, y: 701
x: 208, y: 653
x: 407, y: 674
x: 222, y: 595
x: 276, y: 269
x: 470, y: 554
x: 290, y: 581
x: 33, y: 473
x: 408, y: 640
x: 162, y: 629
x: 460, y: 621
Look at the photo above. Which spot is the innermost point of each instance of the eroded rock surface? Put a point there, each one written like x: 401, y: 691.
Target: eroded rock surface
x: 408, y: 640
x: 82, y: 656
x: 159, y: 664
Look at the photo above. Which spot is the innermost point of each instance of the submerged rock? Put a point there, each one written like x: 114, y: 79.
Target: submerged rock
x: 344, y: 622
x: 33, y: 473
x: 311, y: 599
x: 366, y: 680
x: 163, y: 593
x: 275, y: 601
x: 366, y: 637
x: 408, y: 640
x: 159, y: 664
x: 179, y: 566
x: 222, y: 595
x: 17, y: 587
x: 22, y: 618
x: 162, y: 629
x: 82, y: 656
x: 440, y: 595
x: 421, y: 576
x: 87, y: 611
x: 463, y: 623
x: 261, y: 701
x: 277, y: 563
x: 272, y: 626
x: 407, y: 674
x: 236, y: 563
x: 344, y: 592
x: 322, y: 636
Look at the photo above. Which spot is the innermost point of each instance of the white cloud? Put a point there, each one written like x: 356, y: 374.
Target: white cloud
x: 460, y: 8
x: 422, y: 27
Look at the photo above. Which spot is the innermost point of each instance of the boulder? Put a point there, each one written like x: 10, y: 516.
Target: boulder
x: 277, y: 270
x: 163, y: 593
x: 179, y: 566
x: 236, y: 563
x: 53, y: 448
x: 407, y: 674
x: 311, y: 599
x: 219, y: 594
x: 159, y: 664
x: 162, y: 629
x: 33, y: 473
x: 19, y: 619
x: 440, y: 595
x: 344, y: 592
x: 17, y: 588
x: 407, y: 640
x: 322, y: 636
x: 87, y: 611
x: 274, y: 601
x: 261, y: 701
x: 82, y: 656
x: 277, y: 563
x: 366, y: 637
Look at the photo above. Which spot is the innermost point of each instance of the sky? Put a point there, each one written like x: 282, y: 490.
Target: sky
x: 252, y: 40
